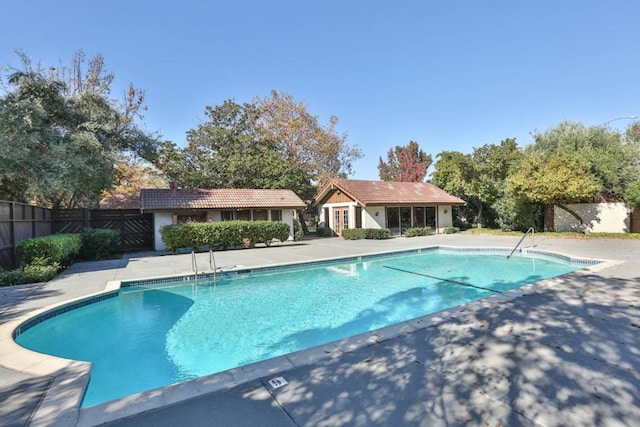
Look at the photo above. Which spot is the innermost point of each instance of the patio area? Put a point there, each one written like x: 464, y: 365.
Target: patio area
x: 564, y: 351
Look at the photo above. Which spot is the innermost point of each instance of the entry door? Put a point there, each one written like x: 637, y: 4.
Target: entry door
x: 340, y: 220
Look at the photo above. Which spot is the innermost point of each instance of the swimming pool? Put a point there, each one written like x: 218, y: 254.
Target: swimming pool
x: 156, y: 333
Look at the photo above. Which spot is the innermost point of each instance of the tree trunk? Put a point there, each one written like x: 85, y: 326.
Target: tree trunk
x: 478, y: 204
x: 303, y: 224
x: 574, y: 214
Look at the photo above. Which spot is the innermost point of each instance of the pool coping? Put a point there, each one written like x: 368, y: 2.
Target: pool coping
x: 70, y: 377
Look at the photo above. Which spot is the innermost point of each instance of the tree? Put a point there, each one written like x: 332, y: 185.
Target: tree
x: 405, y: 163
x: 555, y: 179
x: 228, y: 151
x: 272, y: 142
x: 609, y: 160
x: 479, y: 177
x: 300, y: 138
x: 60, y: 133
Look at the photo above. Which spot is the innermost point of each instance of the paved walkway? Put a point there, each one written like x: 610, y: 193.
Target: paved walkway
x: 561, y: 352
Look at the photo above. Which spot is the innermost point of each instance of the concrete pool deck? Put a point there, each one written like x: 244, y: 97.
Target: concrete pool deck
x: 565, y: 351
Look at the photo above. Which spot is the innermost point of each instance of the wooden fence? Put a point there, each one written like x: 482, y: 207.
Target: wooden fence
x: 19, y: 221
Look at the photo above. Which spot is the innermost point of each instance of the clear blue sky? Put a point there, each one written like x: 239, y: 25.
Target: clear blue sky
x: 451, y: 75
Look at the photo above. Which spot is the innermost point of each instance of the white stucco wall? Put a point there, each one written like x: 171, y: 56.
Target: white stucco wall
x: 287, y: 218
x: 369, y: 218
x: 160, y: 219
x: 597, y: 217
x: 445, y: 218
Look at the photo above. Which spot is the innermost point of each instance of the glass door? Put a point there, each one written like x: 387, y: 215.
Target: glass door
x: 340, y: 220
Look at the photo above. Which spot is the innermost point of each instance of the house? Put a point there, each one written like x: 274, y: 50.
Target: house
x: 173, y: 205
x: 350, y: 203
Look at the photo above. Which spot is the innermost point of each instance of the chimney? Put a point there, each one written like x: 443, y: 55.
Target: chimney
x: 173, y: 186
x: 195, y: 190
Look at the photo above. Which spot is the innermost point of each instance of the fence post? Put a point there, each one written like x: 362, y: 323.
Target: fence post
x: 33, y: 221
x: 122, y: 230
x: 12, y: 232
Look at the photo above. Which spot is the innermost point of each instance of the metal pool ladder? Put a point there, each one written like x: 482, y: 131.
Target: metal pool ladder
x: 212, y: 265
x: 533, y: 240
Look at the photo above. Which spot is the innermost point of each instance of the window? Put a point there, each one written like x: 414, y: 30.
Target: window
x: 243, y: 214
x: 418, y: 217
x: 276, y: 215
x: 182, y: 219
x: 259, y: 214
x: 431, y: 216
x: 226, y: 215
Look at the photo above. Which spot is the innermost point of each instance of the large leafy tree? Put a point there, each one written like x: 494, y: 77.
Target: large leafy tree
x: 609, y: 160
x: 407, y: 163
x: 572, y: 163
x: 479, y: 177
x: 270, y: 143
x: 301, y: 139
x: 60, y: 132
x: 227, y: 152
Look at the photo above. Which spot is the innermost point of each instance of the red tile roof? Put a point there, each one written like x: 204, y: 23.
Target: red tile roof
x: 223, y: 198
x: 121, y: 201
x: 381, y: 193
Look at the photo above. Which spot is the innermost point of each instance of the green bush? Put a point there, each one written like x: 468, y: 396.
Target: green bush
x: 377, y: 233
x: 366, y: 233
x: 354, y: 234
x: 99, y: 243
x: 517, y: 215
x: 34, y: 273
x: 56, y: 248
x: 324, y: 232
x: 227, y: 234
x: 451, y: 230
x: 417, y: 231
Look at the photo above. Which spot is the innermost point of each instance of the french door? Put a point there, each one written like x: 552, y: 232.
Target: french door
x: 340, y: 220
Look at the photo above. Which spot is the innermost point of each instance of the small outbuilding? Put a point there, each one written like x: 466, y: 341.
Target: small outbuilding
x: 173, y: 206
x: 351, y: 203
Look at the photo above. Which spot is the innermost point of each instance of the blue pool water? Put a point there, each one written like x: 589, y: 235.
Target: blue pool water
x: 148, y: 337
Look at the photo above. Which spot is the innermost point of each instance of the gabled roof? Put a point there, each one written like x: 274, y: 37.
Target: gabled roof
x: 222, y: 198
x: 381, y: 193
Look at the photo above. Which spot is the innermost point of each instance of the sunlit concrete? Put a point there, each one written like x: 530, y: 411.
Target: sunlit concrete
x: 561, y: 352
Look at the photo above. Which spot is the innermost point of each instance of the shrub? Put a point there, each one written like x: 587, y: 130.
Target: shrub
x: 324, y: 232
x: 517, y: 215
x: 30, y: 274
x: 99, y: 243
x: 56, y: 248
x: 417, y: 231
x: 366, y: 233
x: 354, y: 233
x: 451, y: 230
x: 377, y: 233
x: 227, y: 234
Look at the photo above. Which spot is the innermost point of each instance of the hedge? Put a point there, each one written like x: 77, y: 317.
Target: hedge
x: 55, y: 248
x: 35, y: 273
x: 366, y: 233
x: 324, y: 232
x: 354, y: 234
x: 226, y: 234
x: 98, y: 243
x: 451, y: 230
x: 417, y: 231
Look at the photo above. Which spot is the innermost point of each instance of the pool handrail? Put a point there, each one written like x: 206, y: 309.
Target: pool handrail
x: 531, y: 229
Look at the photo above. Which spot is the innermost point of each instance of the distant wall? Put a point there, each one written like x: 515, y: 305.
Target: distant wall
x: 597, y: 217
